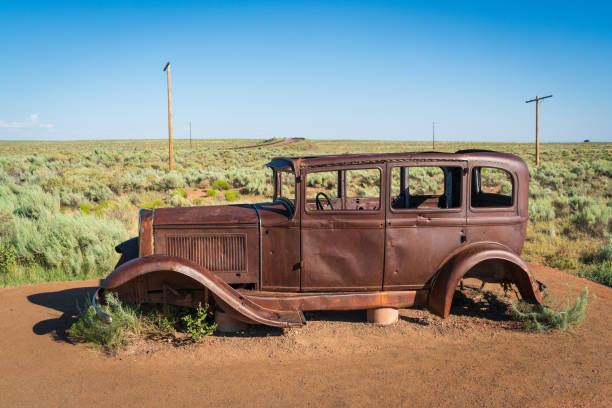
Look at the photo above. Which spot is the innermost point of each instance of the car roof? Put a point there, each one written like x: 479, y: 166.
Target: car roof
x: 505, y: 160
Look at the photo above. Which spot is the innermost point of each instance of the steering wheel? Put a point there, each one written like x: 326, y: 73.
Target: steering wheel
x: 287, y: 204
x: 319, y: 205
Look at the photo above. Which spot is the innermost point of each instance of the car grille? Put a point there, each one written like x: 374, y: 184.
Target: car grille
x: 217, y: 253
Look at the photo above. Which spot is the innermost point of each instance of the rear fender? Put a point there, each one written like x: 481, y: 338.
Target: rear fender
x: 227, y: 297
x: 489, y: 262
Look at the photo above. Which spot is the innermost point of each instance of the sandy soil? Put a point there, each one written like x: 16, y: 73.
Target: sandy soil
x: 476, y: 357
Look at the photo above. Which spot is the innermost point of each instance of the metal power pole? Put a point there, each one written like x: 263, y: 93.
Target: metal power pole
x: 537, y: 100
x: 190, y: 134
x: 170, y: 152
x: 433, y: 135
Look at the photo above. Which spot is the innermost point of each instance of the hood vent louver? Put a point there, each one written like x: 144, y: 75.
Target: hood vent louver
x: 215, y: 252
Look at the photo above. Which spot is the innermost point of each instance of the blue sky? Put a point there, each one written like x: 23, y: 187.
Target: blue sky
x: 351, y: 70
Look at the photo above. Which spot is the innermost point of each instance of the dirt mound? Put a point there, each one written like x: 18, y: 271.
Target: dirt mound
x: 476, y: 357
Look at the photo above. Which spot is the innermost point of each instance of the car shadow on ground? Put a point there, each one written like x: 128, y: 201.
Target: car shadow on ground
x: 68, y: 303
x: 473, y: 302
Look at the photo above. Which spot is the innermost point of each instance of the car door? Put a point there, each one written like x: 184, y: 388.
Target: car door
x: 426, y: 220
x: 342, y: 235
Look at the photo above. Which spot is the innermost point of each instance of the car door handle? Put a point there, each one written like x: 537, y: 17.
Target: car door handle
x: 423, y: 219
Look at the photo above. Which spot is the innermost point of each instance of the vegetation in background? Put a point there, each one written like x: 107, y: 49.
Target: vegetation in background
x: 547, y: 317
x: 65, y: 205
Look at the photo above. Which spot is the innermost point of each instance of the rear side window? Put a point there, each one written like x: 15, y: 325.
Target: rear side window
x: 492, y: 187
x: 425, y: 187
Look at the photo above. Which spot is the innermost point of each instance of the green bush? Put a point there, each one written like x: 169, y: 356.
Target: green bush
x: 153, y: 204
x: 541, y: 210
x: 197, y: 326
x: 8, y: 256
x: 221, y: 185
x: 231, y: 195
x: 211, y: 193
x: 546, y: 317
x: 180, y: 192
x: 169, y: 181
x: 594, y: 219
x: 123, y: 329
x: 601, y: 273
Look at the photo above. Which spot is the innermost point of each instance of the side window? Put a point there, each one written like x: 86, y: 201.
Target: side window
x: 425, y: 187
x: 343, y: 190
x: 492, y: 187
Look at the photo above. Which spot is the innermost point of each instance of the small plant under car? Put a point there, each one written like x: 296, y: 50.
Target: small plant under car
x: 133, y: 322
x: 547, y: 317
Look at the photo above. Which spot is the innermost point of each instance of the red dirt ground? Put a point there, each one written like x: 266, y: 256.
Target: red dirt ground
x: 476, y: 357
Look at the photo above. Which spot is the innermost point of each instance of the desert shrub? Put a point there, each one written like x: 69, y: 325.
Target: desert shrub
x: 123, y: 329
x: 561, y: 205
x: 152, y: 204
x: 601, y: 273
x: 211, y: 193
x: 561, y: 259
x: 578, y: 203
x: 70, y: 198
x: 85, y: 208
x: 231, y: 195
x: 541, y: 210
x: 181, y: 192
x: 178, y: 201
x: 169, y: 181
x: 8, y: 256
x: 221, y: 185
x: 594, y: 219
x: 41, y: 234
x: 547, y: 317
x: 98, y: 192
x: 197, y: 324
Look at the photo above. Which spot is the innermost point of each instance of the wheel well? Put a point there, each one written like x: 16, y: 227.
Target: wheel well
x: 487, y: 264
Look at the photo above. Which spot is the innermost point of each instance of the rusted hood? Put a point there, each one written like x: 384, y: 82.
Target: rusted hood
x: 210, y: 215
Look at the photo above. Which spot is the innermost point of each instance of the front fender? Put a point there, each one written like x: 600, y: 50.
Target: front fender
x: 229, y: 299
x: 508, y: 267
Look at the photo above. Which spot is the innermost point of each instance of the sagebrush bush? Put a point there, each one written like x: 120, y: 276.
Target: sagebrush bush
x: 541, y: 210
x: 41, y: 234
x: 123, y: 329
x: 595, y: 219
x: 169, y: 181
x: 547, y: 317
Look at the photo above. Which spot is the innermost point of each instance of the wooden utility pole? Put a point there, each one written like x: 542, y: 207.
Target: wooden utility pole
x: 537, y: 100
x: 170, y: 153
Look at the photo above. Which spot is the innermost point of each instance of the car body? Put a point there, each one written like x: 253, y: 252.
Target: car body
x: 344, y: 232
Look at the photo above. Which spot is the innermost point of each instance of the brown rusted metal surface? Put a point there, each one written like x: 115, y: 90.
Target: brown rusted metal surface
x: 266, y: 263
x: 148, y: 267
x: 145, y: 232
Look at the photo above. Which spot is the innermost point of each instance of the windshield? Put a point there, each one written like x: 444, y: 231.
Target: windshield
x: 284, y: 183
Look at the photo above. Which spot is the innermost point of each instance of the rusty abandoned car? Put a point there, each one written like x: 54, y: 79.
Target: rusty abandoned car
x: 345, y: 232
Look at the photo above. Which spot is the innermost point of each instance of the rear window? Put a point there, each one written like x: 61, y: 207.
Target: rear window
x: 425, y: 187
x: 492, y: 187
